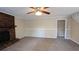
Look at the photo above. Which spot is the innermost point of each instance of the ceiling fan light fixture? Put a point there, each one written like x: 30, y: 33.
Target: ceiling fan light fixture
x: 38, y: 13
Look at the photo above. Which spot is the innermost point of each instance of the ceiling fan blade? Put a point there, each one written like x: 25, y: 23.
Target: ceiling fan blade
x: 46, y: 7
x: 32, y: 7
x: 29, y: 12
x: 45, y: 12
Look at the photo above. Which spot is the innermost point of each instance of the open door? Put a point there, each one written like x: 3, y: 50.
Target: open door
x: 60, y: 29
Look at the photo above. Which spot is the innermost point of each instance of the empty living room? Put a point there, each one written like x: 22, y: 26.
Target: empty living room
x: 39, y: 28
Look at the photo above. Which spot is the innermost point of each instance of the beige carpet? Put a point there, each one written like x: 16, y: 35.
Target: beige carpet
x: 43, y: 44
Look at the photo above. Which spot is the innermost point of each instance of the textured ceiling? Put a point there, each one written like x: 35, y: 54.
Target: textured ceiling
x: 20, y: 12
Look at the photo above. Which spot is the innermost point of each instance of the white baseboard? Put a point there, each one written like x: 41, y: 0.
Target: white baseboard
x: 75, y: 41
x: 38, y: 37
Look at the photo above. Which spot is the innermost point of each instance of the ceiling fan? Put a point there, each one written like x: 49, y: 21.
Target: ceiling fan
x: 39, y: 10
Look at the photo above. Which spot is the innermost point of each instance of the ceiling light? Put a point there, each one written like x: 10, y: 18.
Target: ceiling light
x: 38, y: 13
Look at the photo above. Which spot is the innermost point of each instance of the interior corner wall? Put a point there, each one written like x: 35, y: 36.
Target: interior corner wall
x: 19, y: 29
x: 75, y: 29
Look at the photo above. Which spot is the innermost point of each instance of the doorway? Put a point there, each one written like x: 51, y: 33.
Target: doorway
x: 60, y: 29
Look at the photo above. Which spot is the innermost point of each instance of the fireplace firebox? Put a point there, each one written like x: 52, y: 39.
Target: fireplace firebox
x: 4, y: 36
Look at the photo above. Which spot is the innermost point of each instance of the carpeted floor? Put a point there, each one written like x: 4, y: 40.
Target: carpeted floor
x: 43, y: 44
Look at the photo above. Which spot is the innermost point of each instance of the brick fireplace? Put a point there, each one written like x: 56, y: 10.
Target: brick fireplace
x: 7, y: 28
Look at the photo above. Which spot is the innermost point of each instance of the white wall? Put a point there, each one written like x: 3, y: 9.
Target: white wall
x: 68, y: 28
x: 36, y: 28
x: 46, y: 27
x: 41, y: 28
